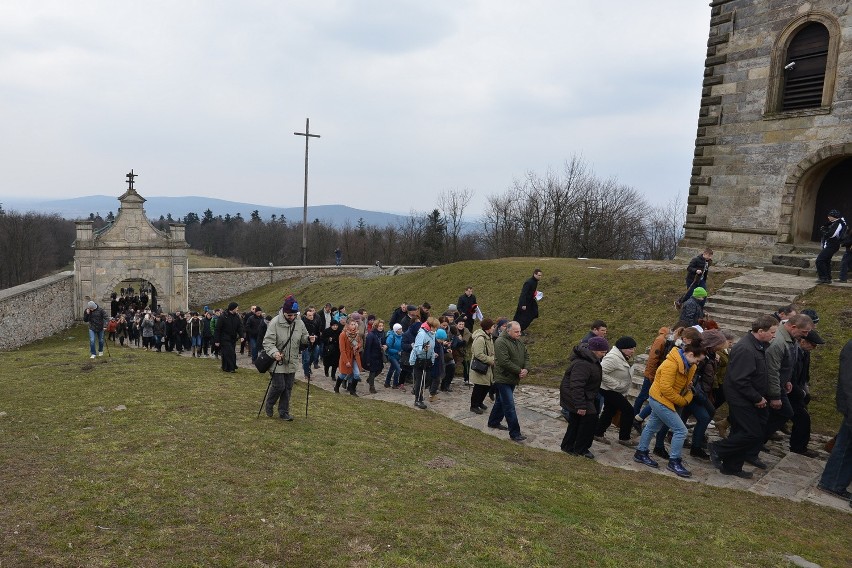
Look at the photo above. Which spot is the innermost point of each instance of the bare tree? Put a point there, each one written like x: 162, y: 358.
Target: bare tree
x: 452, y: 204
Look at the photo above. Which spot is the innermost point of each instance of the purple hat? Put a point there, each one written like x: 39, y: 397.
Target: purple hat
x: 290, y: 305
x: 598, y: 344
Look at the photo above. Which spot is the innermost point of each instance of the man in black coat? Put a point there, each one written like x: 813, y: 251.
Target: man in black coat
x: 579, y: 392
x: 229, y: 328
x: 696, y: 274
x: 465, y: 306
x: 527, y: 304
x: 746, y: 388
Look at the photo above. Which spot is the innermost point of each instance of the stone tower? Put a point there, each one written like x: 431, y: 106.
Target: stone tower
x: 131, y: 250
x: 773, y: 151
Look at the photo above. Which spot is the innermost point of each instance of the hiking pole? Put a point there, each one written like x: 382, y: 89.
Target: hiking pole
x: 262, y: 402
x: 308, y: 396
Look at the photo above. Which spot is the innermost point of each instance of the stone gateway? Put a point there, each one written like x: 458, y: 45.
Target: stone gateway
x: 131, y: 249
x: 773, y: 151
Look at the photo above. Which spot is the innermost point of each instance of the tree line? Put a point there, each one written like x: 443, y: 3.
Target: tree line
x: 567, y: 213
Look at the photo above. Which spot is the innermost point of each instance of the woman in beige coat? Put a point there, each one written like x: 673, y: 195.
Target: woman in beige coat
x: 482, y: 350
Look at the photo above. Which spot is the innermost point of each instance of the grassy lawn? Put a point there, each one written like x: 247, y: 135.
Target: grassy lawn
x: 187, y: 476
x: 632, y: 302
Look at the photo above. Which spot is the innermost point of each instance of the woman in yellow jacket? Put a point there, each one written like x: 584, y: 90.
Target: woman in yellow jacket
x: 672, y: 389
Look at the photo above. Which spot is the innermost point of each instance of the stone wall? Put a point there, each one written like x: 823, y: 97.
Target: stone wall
x: 750, y: 191
x: 36, y: 310
x: 210, y: 285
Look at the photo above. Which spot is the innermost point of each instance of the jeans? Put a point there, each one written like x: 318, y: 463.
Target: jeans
x: 310, y: 355
x: 505, y: 406
x: 96, y: 334
x: 642, y: 397
x: 393, y: 374
x: 838, y: 469
x: 254, y: 346
x: 196, y: 341
x: 702, y: 409
x: 663, y: 415
x: 354, y: 376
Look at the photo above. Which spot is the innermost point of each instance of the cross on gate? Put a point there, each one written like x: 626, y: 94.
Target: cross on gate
x: 130, y: 178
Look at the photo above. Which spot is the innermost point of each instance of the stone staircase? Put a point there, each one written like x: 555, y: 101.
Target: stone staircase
x: 739, y: 301
x: 801, y: 261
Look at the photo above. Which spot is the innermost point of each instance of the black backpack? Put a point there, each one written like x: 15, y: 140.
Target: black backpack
x: 846, y: 236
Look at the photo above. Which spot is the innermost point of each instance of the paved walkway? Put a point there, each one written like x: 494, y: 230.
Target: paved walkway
x: 789, y: 476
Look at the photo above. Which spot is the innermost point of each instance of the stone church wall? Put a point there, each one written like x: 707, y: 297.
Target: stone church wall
x: 745, y: 193
x: 36, y: 310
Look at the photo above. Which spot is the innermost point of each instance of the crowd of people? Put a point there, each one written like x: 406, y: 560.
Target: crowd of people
x: 693, y: 369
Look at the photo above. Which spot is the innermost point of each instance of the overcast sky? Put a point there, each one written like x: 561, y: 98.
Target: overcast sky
x: 410, y: 97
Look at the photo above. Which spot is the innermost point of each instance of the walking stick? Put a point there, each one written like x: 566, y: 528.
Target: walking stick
x: 106, y: 342
x: 262, y: 402
x: 308, y: 396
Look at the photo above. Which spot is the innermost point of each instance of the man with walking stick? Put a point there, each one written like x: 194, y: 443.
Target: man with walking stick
x: 696, y: 275
x: 285, y: 336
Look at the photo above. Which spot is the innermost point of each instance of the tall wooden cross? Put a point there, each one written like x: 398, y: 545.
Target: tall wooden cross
x: 307, y: 134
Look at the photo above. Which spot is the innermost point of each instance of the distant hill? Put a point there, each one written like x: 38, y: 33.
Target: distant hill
x: 80, y: 207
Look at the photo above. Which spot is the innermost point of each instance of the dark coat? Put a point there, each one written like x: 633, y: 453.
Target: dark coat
x: 465, y: 308
x: 581, y: 382
x: 252, y: 326
x: 746, y: 379
x: 696, y: 264
x: 373, y: 360
x: 331, y: 347
x: 97, y: 319
x: 692, y: 311
x: 228, y: 328
x: 527, y: 298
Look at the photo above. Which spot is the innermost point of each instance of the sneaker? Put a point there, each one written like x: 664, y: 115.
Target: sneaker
x: 676, y: 466
x: 644, y: 459
x: 92, y: 356
x: 519, y: 438
x: 100, y: 353
x: 742, y: 474
x: 843, y: 493
x: 661, y: 452
x: 602, y: 440
x: 422, y: 405
x: 476, y: 410
x: 287, y: 418
x: 498, y: 427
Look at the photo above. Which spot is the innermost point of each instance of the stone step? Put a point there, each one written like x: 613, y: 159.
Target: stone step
x: 767, y: 288
x: 804, y: 260
x: 756, y: 304
x: 733, y: 293
x: 717, y: 310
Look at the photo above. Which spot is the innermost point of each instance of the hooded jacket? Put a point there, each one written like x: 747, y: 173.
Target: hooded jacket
x: 673, y: 381
x: 581, y: 381
x: 616, y: 372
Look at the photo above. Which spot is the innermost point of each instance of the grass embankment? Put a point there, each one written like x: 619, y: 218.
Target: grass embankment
x: 634, y: 302
x: 197, y: 259
x: 186, y: 476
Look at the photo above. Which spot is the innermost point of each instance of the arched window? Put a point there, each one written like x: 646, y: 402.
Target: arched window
x: 804, y: 68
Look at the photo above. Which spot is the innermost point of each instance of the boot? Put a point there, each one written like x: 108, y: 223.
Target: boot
x: 352, y: 386
x: 372, y: 384
x: 337, y: 384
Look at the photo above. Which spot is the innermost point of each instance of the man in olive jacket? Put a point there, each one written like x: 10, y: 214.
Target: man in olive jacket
x: 285, y: 335
x: 510, y: 366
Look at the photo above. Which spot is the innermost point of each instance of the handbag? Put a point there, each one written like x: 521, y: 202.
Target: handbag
x: 263, y: 361
x: 479, y: 366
